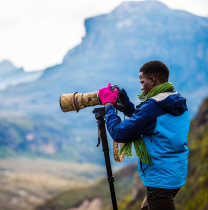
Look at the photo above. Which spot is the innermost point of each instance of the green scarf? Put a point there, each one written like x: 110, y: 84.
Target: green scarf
x: 139, y: 145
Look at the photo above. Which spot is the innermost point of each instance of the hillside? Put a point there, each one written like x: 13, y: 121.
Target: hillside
x: 195, y: 192
x: 26, y: 183
x: 46, y: 137
x: 130, y: 190
x: 100, y: 190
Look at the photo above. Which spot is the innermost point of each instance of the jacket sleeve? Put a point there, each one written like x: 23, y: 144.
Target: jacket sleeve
x: 142, y: 121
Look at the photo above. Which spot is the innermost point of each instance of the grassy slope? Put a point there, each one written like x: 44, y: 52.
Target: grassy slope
x: 25, y: 183
x: 123, y: 185
x: 195, y: 192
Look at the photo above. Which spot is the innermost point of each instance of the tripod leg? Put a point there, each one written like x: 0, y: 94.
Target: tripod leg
x: 108, y: 165
x: 99, y: 115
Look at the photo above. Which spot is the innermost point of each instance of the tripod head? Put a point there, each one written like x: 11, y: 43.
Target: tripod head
x: 99, y: 113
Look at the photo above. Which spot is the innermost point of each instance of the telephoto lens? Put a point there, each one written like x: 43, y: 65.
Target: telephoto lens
x: 76, y: 101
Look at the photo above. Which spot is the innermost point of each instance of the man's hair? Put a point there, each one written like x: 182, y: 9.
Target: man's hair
x: 157, y: 69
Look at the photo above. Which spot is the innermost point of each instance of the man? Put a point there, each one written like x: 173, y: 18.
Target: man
x: 162, y: 120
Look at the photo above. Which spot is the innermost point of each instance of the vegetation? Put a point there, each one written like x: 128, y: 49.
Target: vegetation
x: 26, y: 183
x: 100, y: 189
x: 195, y: 192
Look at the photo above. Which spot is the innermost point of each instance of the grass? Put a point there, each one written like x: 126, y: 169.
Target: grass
x: 100, y: 189
x: 26, y: 183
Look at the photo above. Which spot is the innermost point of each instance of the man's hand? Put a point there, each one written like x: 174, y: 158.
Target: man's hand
x: 128, y: 105
x: 107, y: 96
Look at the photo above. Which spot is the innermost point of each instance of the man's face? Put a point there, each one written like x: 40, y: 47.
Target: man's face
x: 147, y: 83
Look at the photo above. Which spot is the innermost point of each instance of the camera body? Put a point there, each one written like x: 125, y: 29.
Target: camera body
x: 120, y: 101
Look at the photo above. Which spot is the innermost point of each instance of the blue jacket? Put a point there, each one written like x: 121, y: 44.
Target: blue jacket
x: 163, y: 122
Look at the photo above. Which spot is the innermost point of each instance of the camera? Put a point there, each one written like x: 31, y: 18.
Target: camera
x: 76, y: 101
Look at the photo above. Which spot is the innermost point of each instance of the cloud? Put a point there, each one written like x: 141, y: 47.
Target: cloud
x: 36, y: 34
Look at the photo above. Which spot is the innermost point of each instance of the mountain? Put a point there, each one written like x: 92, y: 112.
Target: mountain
x: 129, y: 188
x: 11, y: 76
x: 114, y: 47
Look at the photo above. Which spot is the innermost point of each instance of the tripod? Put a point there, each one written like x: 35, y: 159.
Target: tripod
x: 99, y: 115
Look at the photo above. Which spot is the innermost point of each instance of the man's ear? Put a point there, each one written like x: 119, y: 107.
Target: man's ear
x: 153, y: 80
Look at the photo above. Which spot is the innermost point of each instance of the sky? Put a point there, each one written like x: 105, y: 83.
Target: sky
x: 35, y: 34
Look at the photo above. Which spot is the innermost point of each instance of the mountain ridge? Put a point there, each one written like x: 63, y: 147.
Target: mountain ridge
x: 12, y: 76
x: 113, y: 51
x: 108, y: 48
